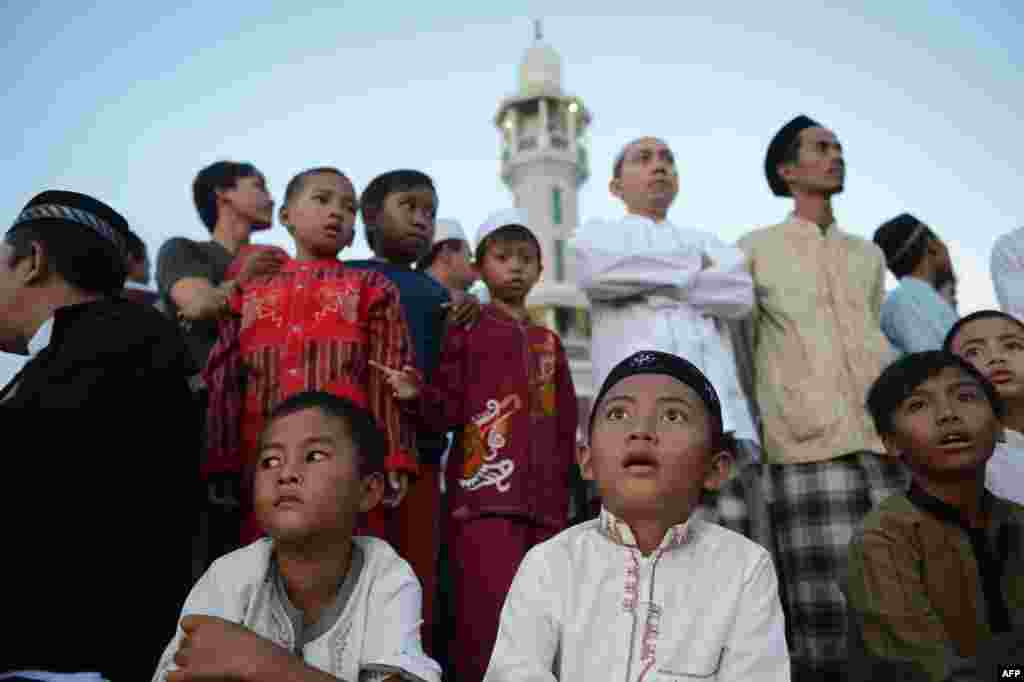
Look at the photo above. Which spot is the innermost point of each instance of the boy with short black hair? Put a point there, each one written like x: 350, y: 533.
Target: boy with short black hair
x: 993, y: 342
x: 399, y: 209
x: 935, y: 576
x: 505, y: 386
x: 311, y: 602
x: 646, y: 591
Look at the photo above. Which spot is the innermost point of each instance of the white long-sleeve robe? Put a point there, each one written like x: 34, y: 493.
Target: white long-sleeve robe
x: 587, y: 605
x: 649, y: 291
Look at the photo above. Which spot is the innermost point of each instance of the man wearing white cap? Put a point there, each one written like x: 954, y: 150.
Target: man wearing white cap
x: 450, y: 260
x: 655, y: 286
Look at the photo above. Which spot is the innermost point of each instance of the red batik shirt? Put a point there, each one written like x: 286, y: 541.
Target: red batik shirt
x: 314, y: 326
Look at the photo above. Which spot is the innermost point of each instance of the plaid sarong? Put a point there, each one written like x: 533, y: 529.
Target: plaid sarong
x: 805, y: 515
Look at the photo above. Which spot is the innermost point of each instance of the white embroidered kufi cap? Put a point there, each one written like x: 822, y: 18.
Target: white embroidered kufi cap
x: 449, y: 228
x: 500, y: 219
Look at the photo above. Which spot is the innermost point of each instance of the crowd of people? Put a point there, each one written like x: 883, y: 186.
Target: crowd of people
x: 365, y: 472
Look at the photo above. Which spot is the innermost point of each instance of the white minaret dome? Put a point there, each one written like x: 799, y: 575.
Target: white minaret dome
x: 541, y: 71
x: 544, y: 162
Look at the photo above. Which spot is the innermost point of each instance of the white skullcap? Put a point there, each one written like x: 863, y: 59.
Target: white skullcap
x: 500, y: 219
x: 448, y: 228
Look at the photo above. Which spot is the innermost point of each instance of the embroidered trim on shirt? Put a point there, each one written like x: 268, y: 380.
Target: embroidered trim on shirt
x: 482, y: 442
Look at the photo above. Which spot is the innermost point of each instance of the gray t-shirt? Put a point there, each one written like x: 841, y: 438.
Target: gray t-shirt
x: 180, y: 258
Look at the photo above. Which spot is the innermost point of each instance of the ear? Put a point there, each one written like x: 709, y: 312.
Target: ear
x: 584, y: 457
x: 372, y: 491
x: 282, y: 217
x: 721, y: 469
x: 785, y: 171
x: 35, y: 267
x: 892, y: 446
x: 615, y: 187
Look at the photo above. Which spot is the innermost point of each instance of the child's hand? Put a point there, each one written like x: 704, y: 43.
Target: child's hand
x: 463, y: 310
x: 216, y: 649
x: 404, y: 383
x: 398, y: 486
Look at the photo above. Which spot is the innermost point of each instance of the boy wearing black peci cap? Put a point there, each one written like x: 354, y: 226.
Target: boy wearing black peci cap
x: 646, y: 588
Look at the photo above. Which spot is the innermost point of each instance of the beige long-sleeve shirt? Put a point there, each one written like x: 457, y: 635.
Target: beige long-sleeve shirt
x: 818, y: 343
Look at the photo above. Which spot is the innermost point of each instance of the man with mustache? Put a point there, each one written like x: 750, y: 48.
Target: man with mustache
x: 817, y: 347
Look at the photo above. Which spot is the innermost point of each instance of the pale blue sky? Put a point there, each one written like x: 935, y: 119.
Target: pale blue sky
x: 127, y: 101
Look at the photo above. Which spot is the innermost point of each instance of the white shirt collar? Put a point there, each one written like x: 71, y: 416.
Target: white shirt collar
x: 41, y: 339
x: 619, y: 532
x: 1013, y: 439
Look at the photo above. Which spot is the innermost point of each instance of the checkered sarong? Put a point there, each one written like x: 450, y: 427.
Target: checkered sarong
x: 805, y: 515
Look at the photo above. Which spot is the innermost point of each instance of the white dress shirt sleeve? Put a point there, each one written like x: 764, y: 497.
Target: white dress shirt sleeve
x: 757, y: 648
x: 392, y: 642
x: 726, y: 288
x: 528, y: 632
x: 610, y: 266
x: 1008, y: 277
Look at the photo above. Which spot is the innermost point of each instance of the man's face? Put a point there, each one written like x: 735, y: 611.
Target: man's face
x: 460, y: 265
x: 995, y: 346
x: 138, y: 270
x: 651, y: 448
x: 405, y: 225
x: 946, y: 428
x: 942, y: 263
x: 648, y: 181
x: 307, y: 484
x: 15, y: 300
x: 819, y: 168
x: 251, y: 200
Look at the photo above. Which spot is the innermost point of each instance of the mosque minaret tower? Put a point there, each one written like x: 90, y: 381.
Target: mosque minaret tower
x: 544, y: 163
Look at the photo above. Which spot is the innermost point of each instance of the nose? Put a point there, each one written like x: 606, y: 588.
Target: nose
x: 643, y: 428
x: 289, y: 474
x: 947, y: 413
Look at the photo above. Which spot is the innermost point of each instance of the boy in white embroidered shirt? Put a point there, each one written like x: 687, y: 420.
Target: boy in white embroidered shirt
x: 993, y: 341
x: 311, y: 602
x: 646, y: 592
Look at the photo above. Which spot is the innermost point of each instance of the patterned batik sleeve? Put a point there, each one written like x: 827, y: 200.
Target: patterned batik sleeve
x: 389, y: 344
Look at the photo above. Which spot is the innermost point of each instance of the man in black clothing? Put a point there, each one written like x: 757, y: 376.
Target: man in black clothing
x: 97, y: 530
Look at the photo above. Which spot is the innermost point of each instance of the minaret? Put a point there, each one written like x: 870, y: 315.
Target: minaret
x: 544, y: 163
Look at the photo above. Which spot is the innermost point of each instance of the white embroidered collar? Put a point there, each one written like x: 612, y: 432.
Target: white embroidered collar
x: 619, y: 532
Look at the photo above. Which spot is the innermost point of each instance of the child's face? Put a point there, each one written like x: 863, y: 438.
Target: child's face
x: 651, y: 449
x: 946, y: 428
x: 405, y: 225
x: 995, y: 346
x: 322, y: 217
x: 307, y: 483
x: 510, y: 269
x: 648, y: 178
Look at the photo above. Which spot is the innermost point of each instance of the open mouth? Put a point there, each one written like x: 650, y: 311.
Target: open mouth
x: 640, y: 462
x: 954, y: 440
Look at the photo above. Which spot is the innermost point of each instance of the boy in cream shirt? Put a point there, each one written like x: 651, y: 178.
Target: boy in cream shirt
x: 645, y: 591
